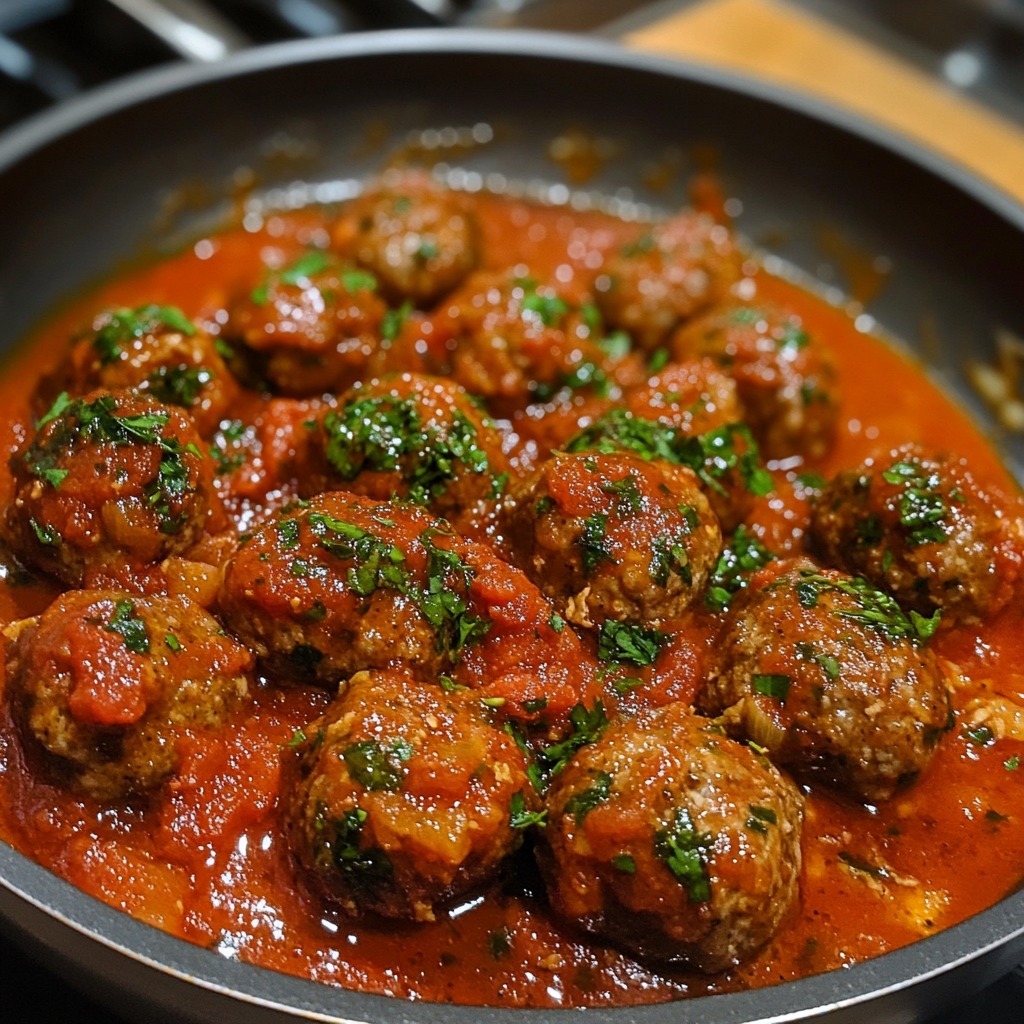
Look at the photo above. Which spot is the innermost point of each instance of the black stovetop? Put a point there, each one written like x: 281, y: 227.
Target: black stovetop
x: 51, y: 50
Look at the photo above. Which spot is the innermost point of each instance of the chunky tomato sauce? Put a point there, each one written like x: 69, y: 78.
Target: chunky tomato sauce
x: 205, y: 858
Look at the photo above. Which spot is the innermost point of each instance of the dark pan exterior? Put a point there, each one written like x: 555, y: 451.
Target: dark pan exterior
x: 82, y: 188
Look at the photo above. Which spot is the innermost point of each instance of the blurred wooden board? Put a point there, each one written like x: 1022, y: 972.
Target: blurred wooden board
x: 785, y: 44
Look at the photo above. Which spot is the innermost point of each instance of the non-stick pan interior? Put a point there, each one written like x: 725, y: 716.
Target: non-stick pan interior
x: 90, y: 187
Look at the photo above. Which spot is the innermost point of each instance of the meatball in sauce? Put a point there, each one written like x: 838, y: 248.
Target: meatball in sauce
x: 467, y: 599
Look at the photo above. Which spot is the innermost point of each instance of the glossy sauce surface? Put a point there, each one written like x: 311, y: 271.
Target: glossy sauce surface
x: 205, y: 858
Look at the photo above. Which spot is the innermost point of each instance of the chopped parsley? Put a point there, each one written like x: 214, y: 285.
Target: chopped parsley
x: 683, y: 849
x: 592, y: 542
x: 520, y: 817
x: 120, y: 327
x: 588, y: 724
x: 625, y: 863
x: 826, y: 662
x: 228, y: 450
x: 668, y: 558
x: 740, y: 558
x: 922, y: 506
x: 876, y: 610
x: 548, y: 309
x: 980, y: 736
x: 132, y: 628
x: 99, y: 421
x: 394, y: 320
x: 378, y: 563
x: 628, y: 500
x: 179, y: 385
x: 626, y: 644
x: 760, y: 818
x: 376, y: 766
x: 713, y: 455
x: 581, y: 803
x: 387, y: 434
x: 298, y: 273
x: 771, y: 684
x: 46, y: 534
x: 358, y: 280
x: 337, y: 844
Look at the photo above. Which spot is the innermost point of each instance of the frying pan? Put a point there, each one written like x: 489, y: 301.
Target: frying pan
x: 82, y: 187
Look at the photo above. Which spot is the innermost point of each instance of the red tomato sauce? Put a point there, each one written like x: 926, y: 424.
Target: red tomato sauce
x: 205, y: 859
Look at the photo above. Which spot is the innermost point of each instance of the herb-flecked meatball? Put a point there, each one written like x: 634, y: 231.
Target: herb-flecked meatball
x: 726, y: 459
x: 665, y: 275
x: 920, y: 526
x: 343, y: 583
x: 830, y: 677
x: 693, y: 397
x: 418, y: 239
x: 403, y: 795
x: 614, y: 536
x: 311, y: 325
x: 673, y: 841
x: 785, y: 377
x: 155, y: 349
x: 105, y: 683
x: 516, y: 340
x: 416, y: 438
x: 106, y: 478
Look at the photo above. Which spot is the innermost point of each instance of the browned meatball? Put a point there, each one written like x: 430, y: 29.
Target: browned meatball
x: 110, y: 477
x: 417, y: 438
x: 418, y: 239
x: 671, y: 271
x: 614, y: 536
x: 343, y: 583
x: 106, y: 683
x: 786, y: 378
x: 156, y: 349
x: 830, y: 677
x: 673, y: 841
x: 693, y: 397
x: 263, y: 460
x: 725, y: 459
x: 404, y: 795
x: 312, y: 325
x: 920, y: 526
x: 515, y: 340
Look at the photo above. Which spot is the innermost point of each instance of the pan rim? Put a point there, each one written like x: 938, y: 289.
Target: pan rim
x: 890, y: 974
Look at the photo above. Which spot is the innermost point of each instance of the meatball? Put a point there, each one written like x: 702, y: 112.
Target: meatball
x: 785, y: 377
x: 263, y: 459
x: 109, y: 477
x: 417, y: 438
x: 667, y: 274
x: 515, y: 341
x: 673, y: 841
x: 342, y: 583
x: 156, y: 349
x: 614, y: 536
x: 106, y: 683
x: 404, y: 795
x: 693, y: 397
x: 725, y: 459
x: 311, y: 325
x: 830, y: 677
x: 920, y: 526
x: 418, y: 239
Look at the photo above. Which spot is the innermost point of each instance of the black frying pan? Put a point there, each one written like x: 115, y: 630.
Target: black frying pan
x: 81, y: 189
